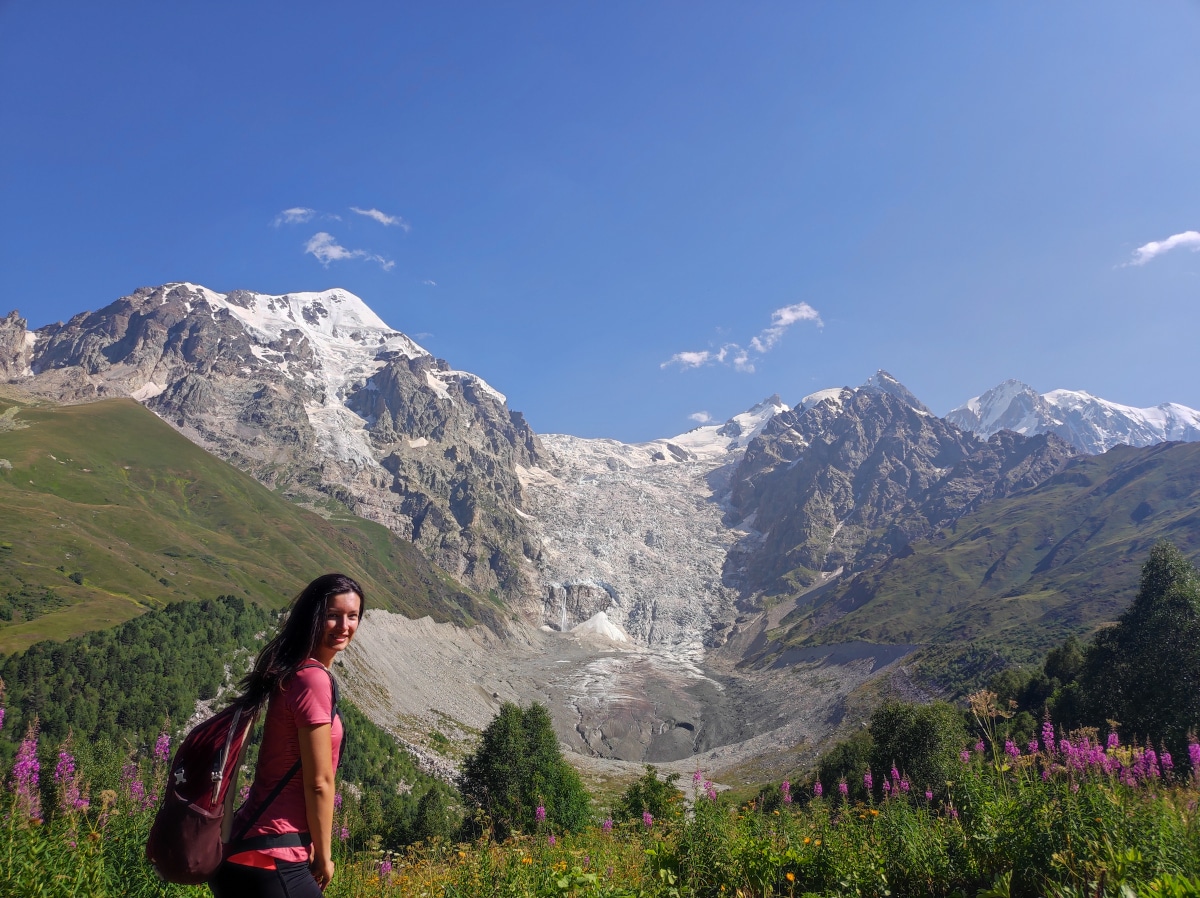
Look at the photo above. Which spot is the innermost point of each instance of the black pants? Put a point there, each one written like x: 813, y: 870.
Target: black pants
x: 287, y: 880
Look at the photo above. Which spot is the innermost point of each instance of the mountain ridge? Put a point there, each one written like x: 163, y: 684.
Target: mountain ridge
x: 1092, y: 425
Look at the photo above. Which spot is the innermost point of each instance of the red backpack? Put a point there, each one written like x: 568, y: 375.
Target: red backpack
x: 188, y: 837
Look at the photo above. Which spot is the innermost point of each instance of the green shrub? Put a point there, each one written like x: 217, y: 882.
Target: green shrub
x: 921, y: 742
x: 661, y: 798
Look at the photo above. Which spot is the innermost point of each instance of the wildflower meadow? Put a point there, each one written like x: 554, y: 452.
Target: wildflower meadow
x: 1064, y: 815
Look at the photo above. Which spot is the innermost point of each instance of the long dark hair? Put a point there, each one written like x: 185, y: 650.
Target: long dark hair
x: 297, y: 636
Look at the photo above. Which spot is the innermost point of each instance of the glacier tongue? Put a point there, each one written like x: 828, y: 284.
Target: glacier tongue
x: 632, y: 535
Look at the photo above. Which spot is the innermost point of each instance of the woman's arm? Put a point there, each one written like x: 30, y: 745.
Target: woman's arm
x: 316, y: 761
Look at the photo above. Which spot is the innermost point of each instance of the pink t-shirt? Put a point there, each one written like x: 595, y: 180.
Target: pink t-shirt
x: 303, y: 700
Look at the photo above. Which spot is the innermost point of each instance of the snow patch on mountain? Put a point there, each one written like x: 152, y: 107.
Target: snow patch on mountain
x: 832, y: 395
x: 599, y: 625
x: 717, y: 440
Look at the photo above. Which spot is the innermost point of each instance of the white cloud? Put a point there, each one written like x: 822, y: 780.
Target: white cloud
x: 781, y: 320
x: 325, y: 249
x: 700, y: 417
x: 295, y: 215
x: 740, y: 357
x: 1145, y: 253
x: 429, y: 283
x: 689, y: 359
x: 383, y: 218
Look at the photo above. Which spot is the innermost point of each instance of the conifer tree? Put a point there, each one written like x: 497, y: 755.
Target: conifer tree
x: 1144, y: 672
x: 519, y: 768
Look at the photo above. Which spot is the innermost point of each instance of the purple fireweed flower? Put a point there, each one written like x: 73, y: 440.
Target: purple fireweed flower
x: 817, y: 789
x: 929, y: 795
x: 1032, y: 746
x: 1194, y: 756
x: 1074, y: 786
x: 1, y: 718
x: 904, y: 785
x: 979, y: 746
x: 964, y: 756
x: 647, y: 819
x: 25, y: 777
x: 1168, y: 763
x: 1151, y: 761
x: 133, y: 784
x: 1010, y: 749
x: 385, y: 867
x: 243, y: 793
x: 1113, y: 740
x: 887, y: 787
x: 786, y: 788
x: 895, y: 775
x: 843, y: 788
x: 710, y: 791
x: 606, y: 826
x: 954, y: 813
x: 550, y: 840
x: 868, y: 781
x: 540, y: 813
x: 70, y: 795
x: 162, y: 749
x: 1046, y: 775
x: 1064, y: 746
x: 65, y: 768
x: 337, y: 801
x: 697, y: 777
x: 345, y: 833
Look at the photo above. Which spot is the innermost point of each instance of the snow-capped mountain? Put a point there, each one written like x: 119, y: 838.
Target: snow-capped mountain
x: 316, y: 396
x: 1088, y: 423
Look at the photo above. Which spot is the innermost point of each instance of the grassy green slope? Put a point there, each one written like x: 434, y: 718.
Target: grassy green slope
x: 106, y: 511
x: 1024, y: 572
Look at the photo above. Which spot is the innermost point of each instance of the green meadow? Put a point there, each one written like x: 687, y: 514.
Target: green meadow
x: 108, y: 512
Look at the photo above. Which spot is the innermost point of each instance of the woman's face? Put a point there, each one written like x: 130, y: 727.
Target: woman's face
x: 341, y: 621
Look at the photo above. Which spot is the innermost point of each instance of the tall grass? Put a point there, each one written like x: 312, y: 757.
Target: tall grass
x: 1064, y: 816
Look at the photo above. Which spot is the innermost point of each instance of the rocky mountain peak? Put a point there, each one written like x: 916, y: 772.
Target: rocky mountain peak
x: 885, y: 383
x: 15, y: 345
x: 820, y: 481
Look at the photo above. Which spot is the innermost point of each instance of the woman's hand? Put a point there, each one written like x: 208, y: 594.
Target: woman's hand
x: 322, y: 870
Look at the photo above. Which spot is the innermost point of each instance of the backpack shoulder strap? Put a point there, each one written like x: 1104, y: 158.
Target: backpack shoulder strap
x: 239, y: 840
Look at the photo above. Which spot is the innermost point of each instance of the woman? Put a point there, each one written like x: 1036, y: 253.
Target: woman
x: 282, y: 835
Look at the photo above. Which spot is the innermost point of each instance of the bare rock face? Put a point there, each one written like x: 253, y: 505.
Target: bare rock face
x: 15, y: 342
x: 316, y: 397
x: 851, y: 477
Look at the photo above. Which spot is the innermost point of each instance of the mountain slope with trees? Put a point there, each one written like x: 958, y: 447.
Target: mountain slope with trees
x: 1025, y: 571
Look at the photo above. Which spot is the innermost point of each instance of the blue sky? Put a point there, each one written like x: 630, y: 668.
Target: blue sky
x: 582, y: 192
